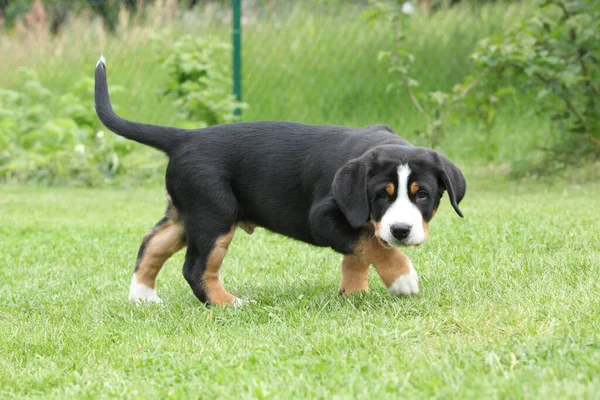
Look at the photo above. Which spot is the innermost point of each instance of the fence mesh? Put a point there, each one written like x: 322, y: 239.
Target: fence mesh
x: 307, y: 61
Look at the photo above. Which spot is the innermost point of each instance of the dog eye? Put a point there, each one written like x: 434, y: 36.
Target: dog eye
x: 421, y: 194
x: 383, y: 195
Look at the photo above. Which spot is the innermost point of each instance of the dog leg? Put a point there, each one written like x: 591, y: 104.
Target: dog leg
x: 201, y: 269
x: 355, y: 275
x: 165, y: 239
x: 398, y: 274
x: 393, y: 267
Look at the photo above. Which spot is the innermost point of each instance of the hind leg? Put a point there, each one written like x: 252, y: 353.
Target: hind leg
x: 165, y: 239
x: 202, y: 264
x: 210, y: 225
x: 210, y: 211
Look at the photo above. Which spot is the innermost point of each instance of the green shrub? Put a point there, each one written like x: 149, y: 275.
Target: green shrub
x: 50, y: 139
x: 200, y: 83
x: 554, y: 54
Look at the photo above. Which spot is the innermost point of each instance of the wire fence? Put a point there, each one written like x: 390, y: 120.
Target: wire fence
x: 307, y: 61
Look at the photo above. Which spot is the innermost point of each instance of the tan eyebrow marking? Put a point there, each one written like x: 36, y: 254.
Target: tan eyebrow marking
x: 390, y: 188
x: 414, y: 187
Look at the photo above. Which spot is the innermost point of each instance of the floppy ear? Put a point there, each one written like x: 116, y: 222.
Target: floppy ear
x: 453, y: 180
x: 350, y: 192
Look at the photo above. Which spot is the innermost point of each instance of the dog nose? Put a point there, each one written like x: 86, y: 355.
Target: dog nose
x: 401, y: 231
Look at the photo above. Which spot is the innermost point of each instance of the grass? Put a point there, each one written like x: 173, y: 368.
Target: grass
x: 510, y: 296
x: 509, y: 306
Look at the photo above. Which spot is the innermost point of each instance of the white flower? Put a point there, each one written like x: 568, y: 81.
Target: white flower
x: 100, y: 134
x: 407, y: 8
x: 80, y: 149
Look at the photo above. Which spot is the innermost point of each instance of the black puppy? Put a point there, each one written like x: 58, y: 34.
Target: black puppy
x: 361, y: 192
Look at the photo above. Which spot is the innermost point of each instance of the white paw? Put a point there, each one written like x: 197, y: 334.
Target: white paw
x: 140, y: 293
x: 405, y: 285
x: 239, y: 302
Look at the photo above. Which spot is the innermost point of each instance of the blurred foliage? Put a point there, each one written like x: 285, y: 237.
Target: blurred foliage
x: 555, y: 53
x: 51, y: 139
x: 108, y: 10
x: 47, y: 145
x: 200, y: 83
x: 477, y: 99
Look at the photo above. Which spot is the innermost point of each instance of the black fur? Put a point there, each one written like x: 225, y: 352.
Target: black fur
x: 317, y: 184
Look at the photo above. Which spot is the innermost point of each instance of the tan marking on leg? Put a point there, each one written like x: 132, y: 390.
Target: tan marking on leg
x: 390, y: 188
x: 215, y: 292
x: 395, y: 263
x: 389, y: 263
x: 414, y: 187
x: 355, y: 275
x: 162, y: 242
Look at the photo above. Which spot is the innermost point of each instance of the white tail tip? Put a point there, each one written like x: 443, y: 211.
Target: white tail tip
x: 101, y: 61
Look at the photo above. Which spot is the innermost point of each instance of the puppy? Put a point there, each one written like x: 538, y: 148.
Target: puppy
x: 364, y: 192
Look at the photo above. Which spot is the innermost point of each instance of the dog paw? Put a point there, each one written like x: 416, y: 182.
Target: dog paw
x: 147, y: 299
x: 240, y: 302
x: 140, y: 293
x: 405, y: 285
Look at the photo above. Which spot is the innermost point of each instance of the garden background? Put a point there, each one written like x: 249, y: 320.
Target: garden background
x: 509, y: 304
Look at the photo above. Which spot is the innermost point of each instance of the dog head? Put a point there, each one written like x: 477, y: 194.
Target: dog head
x: 397, y: 189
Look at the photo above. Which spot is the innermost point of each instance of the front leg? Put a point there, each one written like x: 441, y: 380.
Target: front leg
x: 355, y: 275
x: 397, y: 273
x: 393, y: 267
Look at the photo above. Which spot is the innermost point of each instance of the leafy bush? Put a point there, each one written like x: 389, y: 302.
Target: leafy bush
x: 108, y: 10
x: 198, y: 79
x: 555, y: 54
x: 51, y: 139
x: 48, y: 144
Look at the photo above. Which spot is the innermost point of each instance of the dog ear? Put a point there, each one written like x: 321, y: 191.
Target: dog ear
x: 453, y: 180
x: 350, y: 192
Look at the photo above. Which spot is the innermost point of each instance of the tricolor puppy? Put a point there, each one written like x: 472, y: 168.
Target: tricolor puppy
x: 363, y: 192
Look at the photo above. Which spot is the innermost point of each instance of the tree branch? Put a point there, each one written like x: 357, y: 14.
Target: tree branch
x: 416, y: 102
x: 584, y: 71
x: 486, y: 72
x: 566, y: 13
x: 573, y: 110
x: 593, y: 139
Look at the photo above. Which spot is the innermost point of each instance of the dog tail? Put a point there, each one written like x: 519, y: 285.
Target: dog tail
x: 160, y: 137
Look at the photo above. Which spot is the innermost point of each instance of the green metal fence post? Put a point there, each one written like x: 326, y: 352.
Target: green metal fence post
x: 237, y: 52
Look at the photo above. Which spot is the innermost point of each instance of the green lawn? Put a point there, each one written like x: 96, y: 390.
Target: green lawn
x: 509, y: 306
